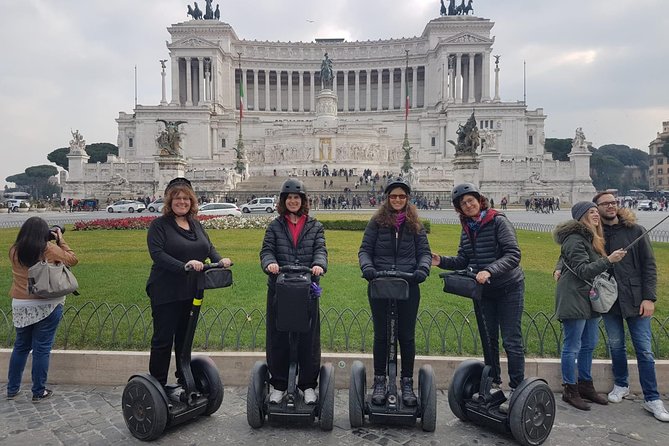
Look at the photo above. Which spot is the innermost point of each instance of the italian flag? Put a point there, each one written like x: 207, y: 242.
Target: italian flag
x: 406, y: 84
x: 241, y: 97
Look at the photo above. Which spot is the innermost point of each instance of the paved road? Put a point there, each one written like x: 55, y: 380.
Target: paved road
x: 78, y: 415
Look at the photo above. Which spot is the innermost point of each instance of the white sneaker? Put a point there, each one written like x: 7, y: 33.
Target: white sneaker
x: 276, y: 396
x: 618, y: 393
x: 310, y: 396
x: 656, y: 407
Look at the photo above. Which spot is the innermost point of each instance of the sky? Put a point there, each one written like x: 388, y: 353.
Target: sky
x: 69, y: 65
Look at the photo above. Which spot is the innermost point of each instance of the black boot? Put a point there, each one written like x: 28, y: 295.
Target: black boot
x: 408, y: 397
x: 379, y: 390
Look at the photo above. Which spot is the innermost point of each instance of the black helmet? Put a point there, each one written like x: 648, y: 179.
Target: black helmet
x: 293, y: 186
x: 463, y: 189
x: 398, y: 182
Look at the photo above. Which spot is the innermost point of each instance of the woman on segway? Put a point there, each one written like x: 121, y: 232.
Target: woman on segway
x: 175, y: 239
x: 293, y: 238
x: 488, y: 246
x: 395, y: 239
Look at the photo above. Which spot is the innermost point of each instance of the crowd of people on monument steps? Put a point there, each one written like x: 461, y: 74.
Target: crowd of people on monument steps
x: 597, y: 239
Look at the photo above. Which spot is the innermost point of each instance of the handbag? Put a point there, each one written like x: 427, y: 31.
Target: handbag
x: 389, y: 288
x: 603, y: 290
x: 462, y: 283
x: 49, y: 280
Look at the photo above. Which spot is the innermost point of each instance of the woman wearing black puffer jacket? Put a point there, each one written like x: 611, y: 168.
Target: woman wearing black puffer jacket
x: 395, y: 239
x: 294, y: 238
x: 488, y: 246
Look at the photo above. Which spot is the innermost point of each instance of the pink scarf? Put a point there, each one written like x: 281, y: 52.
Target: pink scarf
x: 399, y: 219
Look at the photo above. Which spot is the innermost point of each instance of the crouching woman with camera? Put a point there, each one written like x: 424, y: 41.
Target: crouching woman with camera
x: 36, y: 319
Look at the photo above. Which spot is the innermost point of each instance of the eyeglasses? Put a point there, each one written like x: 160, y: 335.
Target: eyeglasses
x: 608, y: 204
x: 469, y: 202
x: 397, y: 196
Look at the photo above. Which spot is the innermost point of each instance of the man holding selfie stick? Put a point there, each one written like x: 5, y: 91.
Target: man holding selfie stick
x: 636, y: 275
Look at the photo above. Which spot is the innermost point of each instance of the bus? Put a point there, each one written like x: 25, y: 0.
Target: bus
x: 16, y: 196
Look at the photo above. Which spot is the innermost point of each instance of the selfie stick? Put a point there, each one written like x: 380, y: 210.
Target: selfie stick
x: 636, y: 240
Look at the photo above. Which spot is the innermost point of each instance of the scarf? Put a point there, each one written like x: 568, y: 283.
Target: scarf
x: 400, y: 218
x: 475, y: 224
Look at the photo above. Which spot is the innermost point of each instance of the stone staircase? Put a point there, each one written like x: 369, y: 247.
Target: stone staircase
x: 270, y: 185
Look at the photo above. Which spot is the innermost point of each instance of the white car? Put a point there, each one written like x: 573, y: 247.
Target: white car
x: 265, y: 204
x: 126, y: 206
x: 15, y: 203
x: 224, y: 209
x: 646, y: 205
x: 156, y: 206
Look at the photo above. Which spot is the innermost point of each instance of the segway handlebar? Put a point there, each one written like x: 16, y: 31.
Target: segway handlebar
x: 294, y: 269
x: 207, y: 266
x: 394, y: 273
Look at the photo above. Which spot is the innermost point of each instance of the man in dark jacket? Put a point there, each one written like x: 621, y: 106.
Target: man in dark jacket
x: 636, y: 275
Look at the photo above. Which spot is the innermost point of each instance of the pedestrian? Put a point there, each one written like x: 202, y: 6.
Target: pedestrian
x: 488, y: 245
x: 293, y: 238
x: 175, y: 240
x: 36, y: 319
x: 636, y: 275
x: 582, y: 257
x: 395, y: 239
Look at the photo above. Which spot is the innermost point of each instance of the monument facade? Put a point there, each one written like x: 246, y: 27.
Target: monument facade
x: 306, y: 104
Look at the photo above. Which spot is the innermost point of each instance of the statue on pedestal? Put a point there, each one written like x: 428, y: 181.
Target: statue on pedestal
x: 77, y: 144
x: 579, y: 139
x: 327, y: 73
x: 169, y: 140
x: 468, y: 138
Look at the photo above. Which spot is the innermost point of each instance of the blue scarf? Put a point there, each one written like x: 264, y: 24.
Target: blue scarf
x: 475, y: 224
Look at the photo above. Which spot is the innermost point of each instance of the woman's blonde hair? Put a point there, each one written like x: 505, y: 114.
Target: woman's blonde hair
x: 173, y: 191
x: 598, y: 242
x: 385, y: 216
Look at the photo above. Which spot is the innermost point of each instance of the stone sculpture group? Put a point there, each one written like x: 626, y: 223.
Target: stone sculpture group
x: 209, y: 13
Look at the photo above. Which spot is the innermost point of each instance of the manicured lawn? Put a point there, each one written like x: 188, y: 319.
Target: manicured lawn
x: 112, y: 310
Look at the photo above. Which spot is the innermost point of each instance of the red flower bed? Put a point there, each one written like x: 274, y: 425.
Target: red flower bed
x: 123, y: 223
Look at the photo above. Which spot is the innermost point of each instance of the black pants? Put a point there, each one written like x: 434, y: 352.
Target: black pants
x: 169, y: 329
x: 407, y: 312
x: 278, y: 348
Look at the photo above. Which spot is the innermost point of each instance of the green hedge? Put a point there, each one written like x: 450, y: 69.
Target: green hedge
x: 357, y: 225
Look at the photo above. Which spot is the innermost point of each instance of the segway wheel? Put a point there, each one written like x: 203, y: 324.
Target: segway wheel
x: 256, y: 394
x: 465, y: 383
x: 208, y: 382
x: 427, y: 392
x: 326, y: 396
x: 144, y: 410
x: 356, y: 394
x: 532, y: 413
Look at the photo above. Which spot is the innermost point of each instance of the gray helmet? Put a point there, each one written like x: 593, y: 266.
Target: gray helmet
x: 463, y: 189
x: 293, y: 186
x: 398, y: 182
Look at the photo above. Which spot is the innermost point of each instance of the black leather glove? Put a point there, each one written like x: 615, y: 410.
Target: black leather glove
x: 369, y: 273
x: 419, y: 276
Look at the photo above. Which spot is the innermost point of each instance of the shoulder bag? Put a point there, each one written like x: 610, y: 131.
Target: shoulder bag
x: 49, y: 280
x: 463, y: 283
x: 603, y: 290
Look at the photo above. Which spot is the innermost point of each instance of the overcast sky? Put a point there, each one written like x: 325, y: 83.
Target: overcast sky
x: 69, y: 64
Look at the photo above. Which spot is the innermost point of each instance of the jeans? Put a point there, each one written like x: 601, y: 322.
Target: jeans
x: 580, y: 338
x: 639, y: 328
x: 39, y: 338
x: 502, y: 310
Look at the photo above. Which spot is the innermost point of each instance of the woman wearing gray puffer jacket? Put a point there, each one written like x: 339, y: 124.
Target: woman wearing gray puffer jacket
x: 582, y: 257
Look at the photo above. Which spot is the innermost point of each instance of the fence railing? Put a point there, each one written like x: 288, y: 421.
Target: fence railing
x: 119, y: 327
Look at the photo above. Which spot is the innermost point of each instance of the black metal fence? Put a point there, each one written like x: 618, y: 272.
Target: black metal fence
x: 119, y: 327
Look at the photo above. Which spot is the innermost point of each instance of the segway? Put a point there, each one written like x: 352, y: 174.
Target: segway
x: 148, y: 407
x: 531, y: 412
x: 392, y: 286
x: 293, y: 291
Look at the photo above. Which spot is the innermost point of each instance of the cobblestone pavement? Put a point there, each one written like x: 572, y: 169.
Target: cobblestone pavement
x: 78, y: 415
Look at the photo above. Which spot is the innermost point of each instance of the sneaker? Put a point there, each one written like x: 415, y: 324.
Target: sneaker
x: 310, y: 396
x: 276, y: 396
x: 618, y: 393
x: 47, y: 394
x: 11, y: 396
x: 504, y: 407
x: 656, y: 407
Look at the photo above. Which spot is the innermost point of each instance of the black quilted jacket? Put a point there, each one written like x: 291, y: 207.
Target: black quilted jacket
x: 493, y: 248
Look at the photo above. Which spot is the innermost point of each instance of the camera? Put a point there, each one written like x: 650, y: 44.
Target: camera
x: 52, y: 231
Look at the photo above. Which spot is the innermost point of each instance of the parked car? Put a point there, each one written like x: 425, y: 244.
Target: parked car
x: 156, y: 206
x: 15, y: 203
x: 646, y: 205
x: 265, y: 204
x: 226, y: 209
x: 126, y: 206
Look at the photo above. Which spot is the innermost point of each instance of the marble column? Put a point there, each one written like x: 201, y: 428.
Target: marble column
x: 368, y: 103
x: 278, y: 90
x: 175, y: 81
x: 414, y: 87
x: 357, y: 90
x: 312, y: 103
x: 290, y: 90
x: 486, y: 76
x: 256, y: 100
x: 471, y: 84
x: 189, y: 83
x: 379, y: 89
x: 458, y: 79
x: 391, y: 89
x: 200, y: 81
x: 345, y: 90
x: 267, y: 100
x: 301, y: 94
x: 403, y: 87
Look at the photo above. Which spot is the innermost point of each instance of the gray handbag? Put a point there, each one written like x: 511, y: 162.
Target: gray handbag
x: 603, y: 290
x: 49, y: 280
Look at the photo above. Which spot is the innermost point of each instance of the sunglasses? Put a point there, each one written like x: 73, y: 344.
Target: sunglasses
x: 397, y: 196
